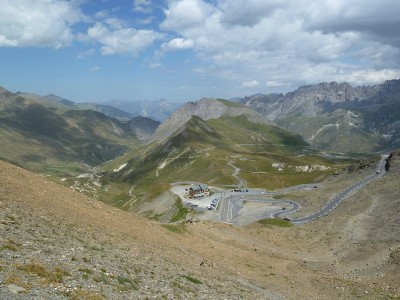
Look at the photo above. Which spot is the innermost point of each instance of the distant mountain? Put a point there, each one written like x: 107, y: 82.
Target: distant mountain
x: 52, y: 136
x: 156, y: 110
x: 105, y: 109
x: 336, y: 116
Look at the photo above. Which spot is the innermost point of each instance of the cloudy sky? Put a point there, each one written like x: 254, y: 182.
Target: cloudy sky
x: 183, y: 50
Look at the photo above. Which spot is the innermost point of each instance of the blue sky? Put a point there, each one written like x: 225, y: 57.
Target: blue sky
x: 183, y: 50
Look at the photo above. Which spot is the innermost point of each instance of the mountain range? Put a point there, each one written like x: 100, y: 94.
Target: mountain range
x: 157, y: 110
x: 56, y: 243
x: 336, y: 116
x: 52, y: 135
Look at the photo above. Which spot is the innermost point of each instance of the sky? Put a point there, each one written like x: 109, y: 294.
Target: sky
x: 184, y: 50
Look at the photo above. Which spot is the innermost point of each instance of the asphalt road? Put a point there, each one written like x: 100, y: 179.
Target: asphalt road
x: 230, y: 205
x: 335, y: 201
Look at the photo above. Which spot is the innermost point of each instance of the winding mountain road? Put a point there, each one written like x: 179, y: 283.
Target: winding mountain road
x: 335, y: 201
x: 231, y: 204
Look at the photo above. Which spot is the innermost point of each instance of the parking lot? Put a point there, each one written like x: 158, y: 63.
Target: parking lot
x: 200, y: 203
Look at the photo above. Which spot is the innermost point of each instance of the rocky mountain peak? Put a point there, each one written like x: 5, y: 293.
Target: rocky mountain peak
x: 3, y: 91
x: 205, y: 109
x: 329, y: 110
x: 331, y: 92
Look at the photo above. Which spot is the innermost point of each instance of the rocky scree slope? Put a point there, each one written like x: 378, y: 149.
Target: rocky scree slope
x: 58, y: 244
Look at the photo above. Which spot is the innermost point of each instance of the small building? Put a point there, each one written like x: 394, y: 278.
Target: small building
x: 198, y: 191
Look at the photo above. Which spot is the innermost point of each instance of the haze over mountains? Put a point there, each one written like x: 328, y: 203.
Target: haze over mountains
x: 157, y: 110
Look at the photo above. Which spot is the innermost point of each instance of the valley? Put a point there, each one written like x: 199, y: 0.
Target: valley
x: 237, y: 206
x: 59, y: 244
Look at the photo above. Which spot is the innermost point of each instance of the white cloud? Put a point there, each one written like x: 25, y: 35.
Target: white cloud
x: 177, y: 44
x: 186, y: 14
x: 274, y: 84
x: 248, y: 12
x: 121, y: 40
x: 370, y: 76
x: 253, y: 83
x: 143, y: 6
x: 42, y: 23
x: 295, y: 41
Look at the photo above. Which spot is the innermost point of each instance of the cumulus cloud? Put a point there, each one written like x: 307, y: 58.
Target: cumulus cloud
x: 186, y: 14
x: 248, y: 12
x: 177, y: 44
x: 41, y: 23
x: 295, y: 41
x: 378, y: 19
x: 121, y: 40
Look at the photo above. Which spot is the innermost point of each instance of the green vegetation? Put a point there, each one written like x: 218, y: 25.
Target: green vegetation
x: 352, y: 138
x: 181, y: 213
x: 10, y: 245
x: 206, y: 152
x: 50, y: 276
x: 126, y: 283
x: 82, y: 294
x: 179, y: 228
x: 48, y: 137
x: 275, y: 222
x: 85, y: 270
x: 192, y: 279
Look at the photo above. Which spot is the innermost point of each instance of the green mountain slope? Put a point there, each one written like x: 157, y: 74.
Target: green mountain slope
x: 52, y: 139
x: 336, y: 131
x: 230, y: 151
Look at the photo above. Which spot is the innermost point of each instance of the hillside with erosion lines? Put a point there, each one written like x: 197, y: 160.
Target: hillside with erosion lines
x: 57, y: 244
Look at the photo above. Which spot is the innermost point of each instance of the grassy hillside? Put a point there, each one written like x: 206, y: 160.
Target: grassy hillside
x: 227, y: 152
x: 341, y: 131
x: 52, y: 139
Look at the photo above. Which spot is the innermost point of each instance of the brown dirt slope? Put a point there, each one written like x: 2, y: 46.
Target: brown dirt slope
x: 58, y: 244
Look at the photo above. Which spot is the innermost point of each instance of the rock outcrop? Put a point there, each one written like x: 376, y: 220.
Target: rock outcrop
x: 336, y: 116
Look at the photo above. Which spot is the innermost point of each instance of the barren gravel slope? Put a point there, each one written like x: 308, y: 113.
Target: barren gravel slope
x: 58, y: 244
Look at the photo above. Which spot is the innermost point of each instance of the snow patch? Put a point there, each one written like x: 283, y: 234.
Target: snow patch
x: 120, y: 167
